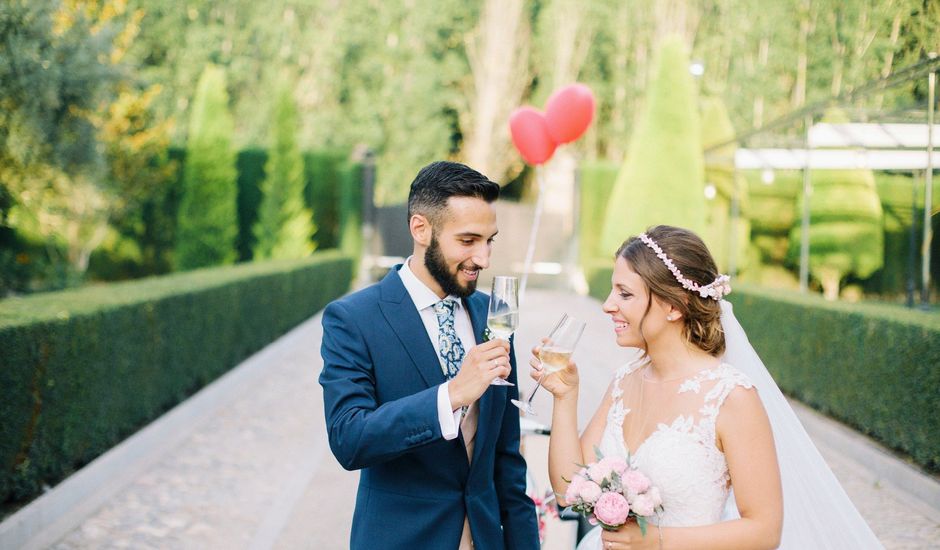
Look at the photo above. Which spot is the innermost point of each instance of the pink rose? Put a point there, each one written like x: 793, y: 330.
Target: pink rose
x: 589, y: 491
x: 598, y: 471
x: 612, y: 509
x: 614, y: 464
x: 643, y: 505
x: 635, y: 481
x: 574, y: 489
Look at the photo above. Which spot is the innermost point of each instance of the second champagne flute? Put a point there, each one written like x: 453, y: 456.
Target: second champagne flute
x: 503, y: 316
x: 555, y: 354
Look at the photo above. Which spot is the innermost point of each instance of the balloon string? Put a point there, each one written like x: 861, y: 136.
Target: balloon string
x: 530, y: 251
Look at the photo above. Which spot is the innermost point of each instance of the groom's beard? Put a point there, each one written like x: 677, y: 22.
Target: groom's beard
x: 434, y: 262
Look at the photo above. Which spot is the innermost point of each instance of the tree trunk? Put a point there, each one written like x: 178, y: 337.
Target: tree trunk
x: 889, y: 58
x: 838, y: 48
x: 799, y: 87
x: 572, y: 35
x: 829, y: 278
x: 675, y: 17
x: 621, y: 103
x: 498, y: 54
x: 763, y: 55
x: 317, y: 94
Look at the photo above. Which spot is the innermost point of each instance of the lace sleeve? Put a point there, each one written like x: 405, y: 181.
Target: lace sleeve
x: 727, y: 379
x: 616, y: 413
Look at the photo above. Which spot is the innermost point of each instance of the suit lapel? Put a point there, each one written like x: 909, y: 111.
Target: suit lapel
x: 403, y: 317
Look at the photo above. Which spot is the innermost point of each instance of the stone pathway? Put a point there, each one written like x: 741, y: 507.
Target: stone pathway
x: 256, y: 472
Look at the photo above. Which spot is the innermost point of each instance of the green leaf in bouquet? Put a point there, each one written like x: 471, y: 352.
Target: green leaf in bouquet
x: 641, y: 521
x: 616, y: 481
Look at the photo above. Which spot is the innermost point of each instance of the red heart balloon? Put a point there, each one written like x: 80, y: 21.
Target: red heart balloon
x: 530, y: 135
x: 569, y: 112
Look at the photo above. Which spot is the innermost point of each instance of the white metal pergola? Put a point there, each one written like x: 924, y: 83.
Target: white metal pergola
x: 848, y: 146
x: 876, y: 146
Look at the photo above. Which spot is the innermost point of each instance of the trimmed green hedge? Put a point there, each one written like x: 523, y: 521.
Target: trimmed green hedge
x: 323, y: 192
x: 80, y: 370
x: 331, y: 186
x: 896, y: 193
x: 874, y: 367
x: 596, y: 181
x: 250, y: 164
x: 350, y: 214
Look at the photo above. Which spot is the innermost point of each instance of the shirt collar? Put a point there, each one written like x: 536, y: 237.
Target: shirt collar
x: 422, y: 296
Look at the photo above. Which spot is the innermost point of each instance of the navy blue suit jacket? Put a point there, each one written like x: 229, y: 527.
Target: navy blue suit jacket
x: 380, y: 380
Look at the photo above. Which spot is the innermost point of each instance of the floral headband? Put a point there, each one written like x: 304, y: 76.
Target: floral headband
x: 714, y: 290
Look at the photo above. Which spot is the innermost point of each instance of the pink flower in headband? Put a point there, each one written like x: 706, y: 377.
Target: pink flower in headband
x: 714, y: 290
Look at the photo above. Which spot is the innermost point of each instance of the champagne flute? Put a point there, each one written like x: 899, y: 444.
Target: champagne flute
x: 555, y: 354
x: 503, y: 316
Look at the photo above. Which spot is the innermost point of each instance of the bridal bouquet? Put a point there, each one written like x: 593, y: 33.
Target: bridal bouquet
x: 609, y: 492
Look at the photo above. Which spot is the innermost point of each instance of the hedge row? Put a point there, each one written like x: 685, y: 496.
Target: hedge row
x: 874, y: 367
x: 596, y: 185
x: 81, y: 370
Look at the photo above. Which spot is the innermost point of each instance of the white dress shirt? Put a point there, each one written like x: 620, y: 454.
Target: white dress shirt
x: 424, y: 299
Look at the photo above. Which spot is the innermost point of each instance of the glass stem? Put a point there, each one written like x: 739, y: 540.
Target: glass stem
x: 537, y: 386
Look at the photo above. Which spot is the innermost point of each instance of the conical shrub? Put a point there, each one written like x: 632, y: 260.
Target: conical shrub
x: 285, y: 225
x: 208, y: 222
x: 661, y: 182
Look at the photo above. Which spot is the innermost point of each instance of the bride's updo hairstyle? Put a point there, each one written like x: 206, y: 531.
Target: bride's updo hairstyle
x: 701, y: 314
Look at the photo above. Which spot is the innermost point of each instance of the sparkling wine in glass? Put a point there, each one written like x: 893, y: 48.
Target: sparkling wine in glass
x: 554, y: 358
x: 555, y: 354
x: 503, y: 316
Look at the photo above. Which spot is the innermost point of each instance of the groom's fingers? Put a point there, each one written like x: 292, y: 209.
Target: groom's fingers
x: 501, y: 371
x: 494, y: 344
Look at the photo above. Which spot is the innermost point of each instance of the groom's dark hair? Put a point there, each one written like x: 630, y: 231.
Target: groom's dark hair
x: 439, y: 181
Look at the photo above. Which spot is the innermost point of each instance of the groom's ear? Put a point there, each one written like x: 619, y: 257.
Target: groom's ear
x: 420, y: 228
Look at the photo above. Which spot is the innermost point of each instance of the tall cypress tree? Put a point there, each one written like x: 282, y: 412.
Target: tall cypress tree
x: 661, y: 181
x: 285, y: 225
x: 208, y: 219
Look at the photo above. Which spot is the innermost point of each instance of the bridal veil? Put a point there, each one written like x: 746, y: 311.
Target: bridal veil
x: 817, y: 512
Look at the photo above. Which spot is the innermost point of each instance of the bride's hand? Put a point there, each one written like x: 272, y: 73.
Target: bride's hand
x: 561, y: 383
x: 629, y: 537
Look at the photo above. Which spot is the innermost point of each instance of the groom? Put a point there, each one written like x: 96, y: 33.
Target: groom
x: 406, y: 386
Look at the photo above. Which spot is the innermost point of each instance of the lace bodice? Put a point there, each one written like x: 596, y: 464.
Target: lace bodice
x: 681, y: 458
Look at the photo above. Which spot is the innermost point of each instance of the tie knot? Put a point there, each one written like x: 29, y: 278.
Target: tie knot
x: 445, y: 309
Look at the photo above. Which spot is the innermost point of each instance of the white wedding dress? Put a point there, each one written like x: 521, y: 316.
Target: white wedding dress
x: 681, y: 458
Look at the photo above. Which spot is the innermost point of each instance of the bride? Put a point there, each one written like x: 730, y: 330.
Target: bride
x: 698, y: 414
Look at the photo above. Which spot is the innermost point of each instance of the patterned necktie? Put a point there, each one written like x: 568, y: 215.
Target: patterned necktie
x: 451, y: 349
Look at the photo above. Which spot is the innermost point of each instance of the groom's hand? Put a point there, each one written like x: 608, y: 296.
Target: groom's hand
x: 480, y: 366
